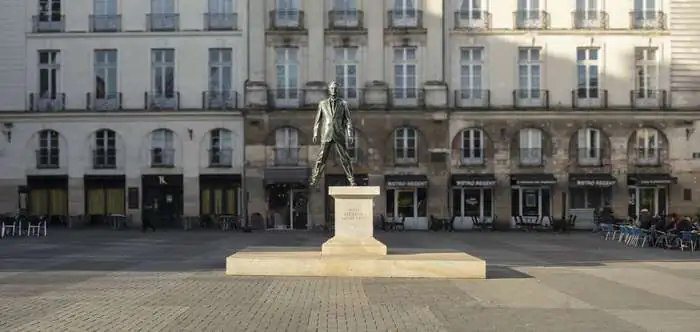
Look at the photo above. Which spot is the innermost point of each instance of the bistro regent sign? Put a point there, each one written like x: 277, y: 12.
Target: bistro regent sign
x: 475, y: 183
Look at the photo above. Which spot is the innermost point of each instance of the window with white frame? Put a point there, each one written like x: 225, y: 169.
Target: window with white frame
x: 287, y: 147
x: 50, y: 11
x: 105, y: 16
x: 531, y: 146
x: 106, y: 74
x: 287, y: 72
x: 587, y: 14
x: 105, y: 154
x: 472, y: 146
x: 345, y: 13
x: 587, y: 65
x: 48, y: 154
x: 49, y: 77
x: 589, y: 147
x: 529, y: 72
x: 221, y: 15
x: 406, y: 145
x: 162, y: 148
x: 221, y: 6
x: 470, y: 10
x: 163, y: 77
x: 405, y: 70
x: 346, y: 63
x: 163, y: 16
x: 220, y: 77
x: 648, y: 146
x: 287, y: 13
x: 404, y: 13
x: 471, y: 72
x: 528, y: 14
x: 645, y: 13
x: 221, y: 147
x: 647, y: 71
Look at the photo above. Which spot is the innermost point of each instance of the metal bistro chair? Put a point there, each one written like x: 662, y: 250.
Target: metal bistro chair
x: 8, y: 226
x: 687, y: 240
x: 37, y: 228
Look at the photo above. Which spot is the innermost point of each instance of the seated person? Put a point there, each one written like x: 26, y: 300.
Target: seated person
x: 682, y: 225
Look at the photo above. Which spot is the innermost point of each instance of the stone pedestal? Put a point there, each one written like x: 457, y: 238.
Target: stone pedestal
x: 354, y: 252
x: 354, y: 223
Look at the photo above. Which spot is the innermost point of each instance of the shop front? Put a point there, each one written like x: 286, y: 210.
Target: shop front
x: 48, y: 197
x: 287, y: 195
x: 649, y: 191
x: 589, y: 193
x: 162, y: 200
x: 219, y: 194
x: 531, y: 195
x: 472, y: 198
x: 406, y: 199
x: 339, y: 180
x: 105, y: 195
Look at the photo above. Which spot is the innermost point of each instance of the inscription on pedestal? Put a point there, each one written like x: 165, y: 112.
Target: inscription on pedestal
x: 353, y: 214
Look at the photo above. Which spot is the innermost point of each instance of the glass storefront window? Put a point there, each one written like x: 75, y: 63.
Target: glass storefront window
x: 470, y: 202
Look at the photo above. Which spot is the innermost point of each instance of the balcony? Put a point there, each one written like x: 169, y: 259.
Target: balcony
x: 531, y: 98
x: 531, y: 157
x: 407, y: 19
x: 589, y: 20
x: 162, y: 157
x: 47, y: 158
x: 104, y: 102
x: 472, y: 20
x: 105, y: 23
x: 288, y: 157
x: 220, y: 21
x: 530, y: 20
x: 47, y: 102
x: 219, y: 100
x: 346, y: 20
x: 472, y: 98
x: 589, y: 157
x: 48, y: 23
x: 649, y: 99
x: 287, y: 19
x: 104, y: 158
x: 407, y: 98
x: 589, y: 98
x: 471, y: 157
x: 220, y: 158
x: 647, y: 20
x: 161, y: 22
x: 647, y: 157
x: 162, y: 101
x: 286, y: 98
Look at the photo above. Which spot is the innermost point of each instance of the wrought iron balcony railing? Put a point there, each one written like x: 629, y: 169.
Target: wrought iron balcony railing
x: 220, y: 21
x: 405, y: 19
x: 648, y: 99
x: 220, y: 157
x: 286, y: 19
x: 531, y: 98
x: 647, y: 20
x: 531, y: 157
x: 530, y: 20
x: 162, y: 101
x: 48, y: 22
x: 472, y: 98
x: 219, y: 100
x: 589, y: 19
x: 104, y: 101
x: 105, y: 23
x: 163, y: 22
x: 472, y: 20
x: 47, y: 102
x: 346, y: 19
x: 589, y: 98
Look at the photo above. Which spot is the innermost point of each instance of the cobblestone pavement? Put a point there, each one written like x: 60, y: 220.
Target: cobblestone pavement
x: 174, y: 281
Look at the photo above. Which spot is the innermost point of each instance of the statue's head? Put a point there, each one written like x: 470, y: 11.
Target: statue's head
x: 333, y: 89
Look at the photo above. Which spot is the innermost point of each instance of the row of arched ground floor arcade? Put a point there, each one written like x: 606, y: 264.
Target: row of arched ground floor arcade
x: 285, y: 200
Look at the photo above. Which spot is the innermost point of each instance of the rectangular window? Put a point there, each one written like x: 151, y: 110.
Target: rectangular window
x: 471, y: 72
x: 220, y: 77
x: 287, y: 13
x: 287, y: 72
x: 163, y: 148
x: 345, y: 13
x: 645, y: 14
x: 50, y: 11
x: 105, y: 7
x: 528, y: 14
x: 587, y: 64
x: 346, y: 63
x: 405, y: 146
x: 162, y: 6
x: 221, y: 6
x: 529, y: 73
x: 105, y: 149
x: 530, y: 147
x: 405, y: 72
x: 472, y: 146
x: 646, y: 72
x: 404, y: 13
x: 48, y: 156
x: 105, y: 74
x: 163, y: 77
x: 587, y: 14
x: 589, y: 146
x: 221, y: 15
x: 50, y: 96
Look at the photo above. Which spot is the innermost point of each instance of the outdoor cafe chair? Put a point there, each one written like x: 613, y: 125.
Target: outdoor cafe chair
x: 9, y: 226
x: 37, y: 228
x: 687, y: 240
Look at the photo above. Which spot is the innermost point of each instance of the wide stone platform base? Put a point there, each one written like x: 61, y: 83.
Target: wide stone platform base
x: 398, y: 263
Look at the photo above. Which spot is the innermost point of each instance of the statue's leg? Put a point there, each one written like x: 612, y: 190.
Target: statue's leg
x: 345, y: 162
x: 320, y: 165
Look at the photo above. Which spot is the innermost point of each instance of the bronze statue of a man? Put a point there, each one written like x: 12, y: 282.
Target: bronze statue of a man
x: 335, y: 126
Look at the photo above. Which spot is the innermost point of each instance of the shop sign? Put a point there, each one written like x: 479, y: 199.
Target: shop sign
x: 475, y: 183
x: 653, y: 182
x: 595, y: 183
x: 406, y: 184
x: 535, y: 182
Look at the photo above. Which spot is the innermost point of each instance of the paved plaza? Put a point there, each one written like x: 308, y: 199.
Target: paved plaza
x: 94, y: 280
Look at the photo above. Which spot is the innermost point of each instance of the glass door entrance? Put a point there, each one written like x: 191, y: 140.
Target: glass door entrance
x: 654, y: 199
x: 409, y: 204
x: 288, y: 207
